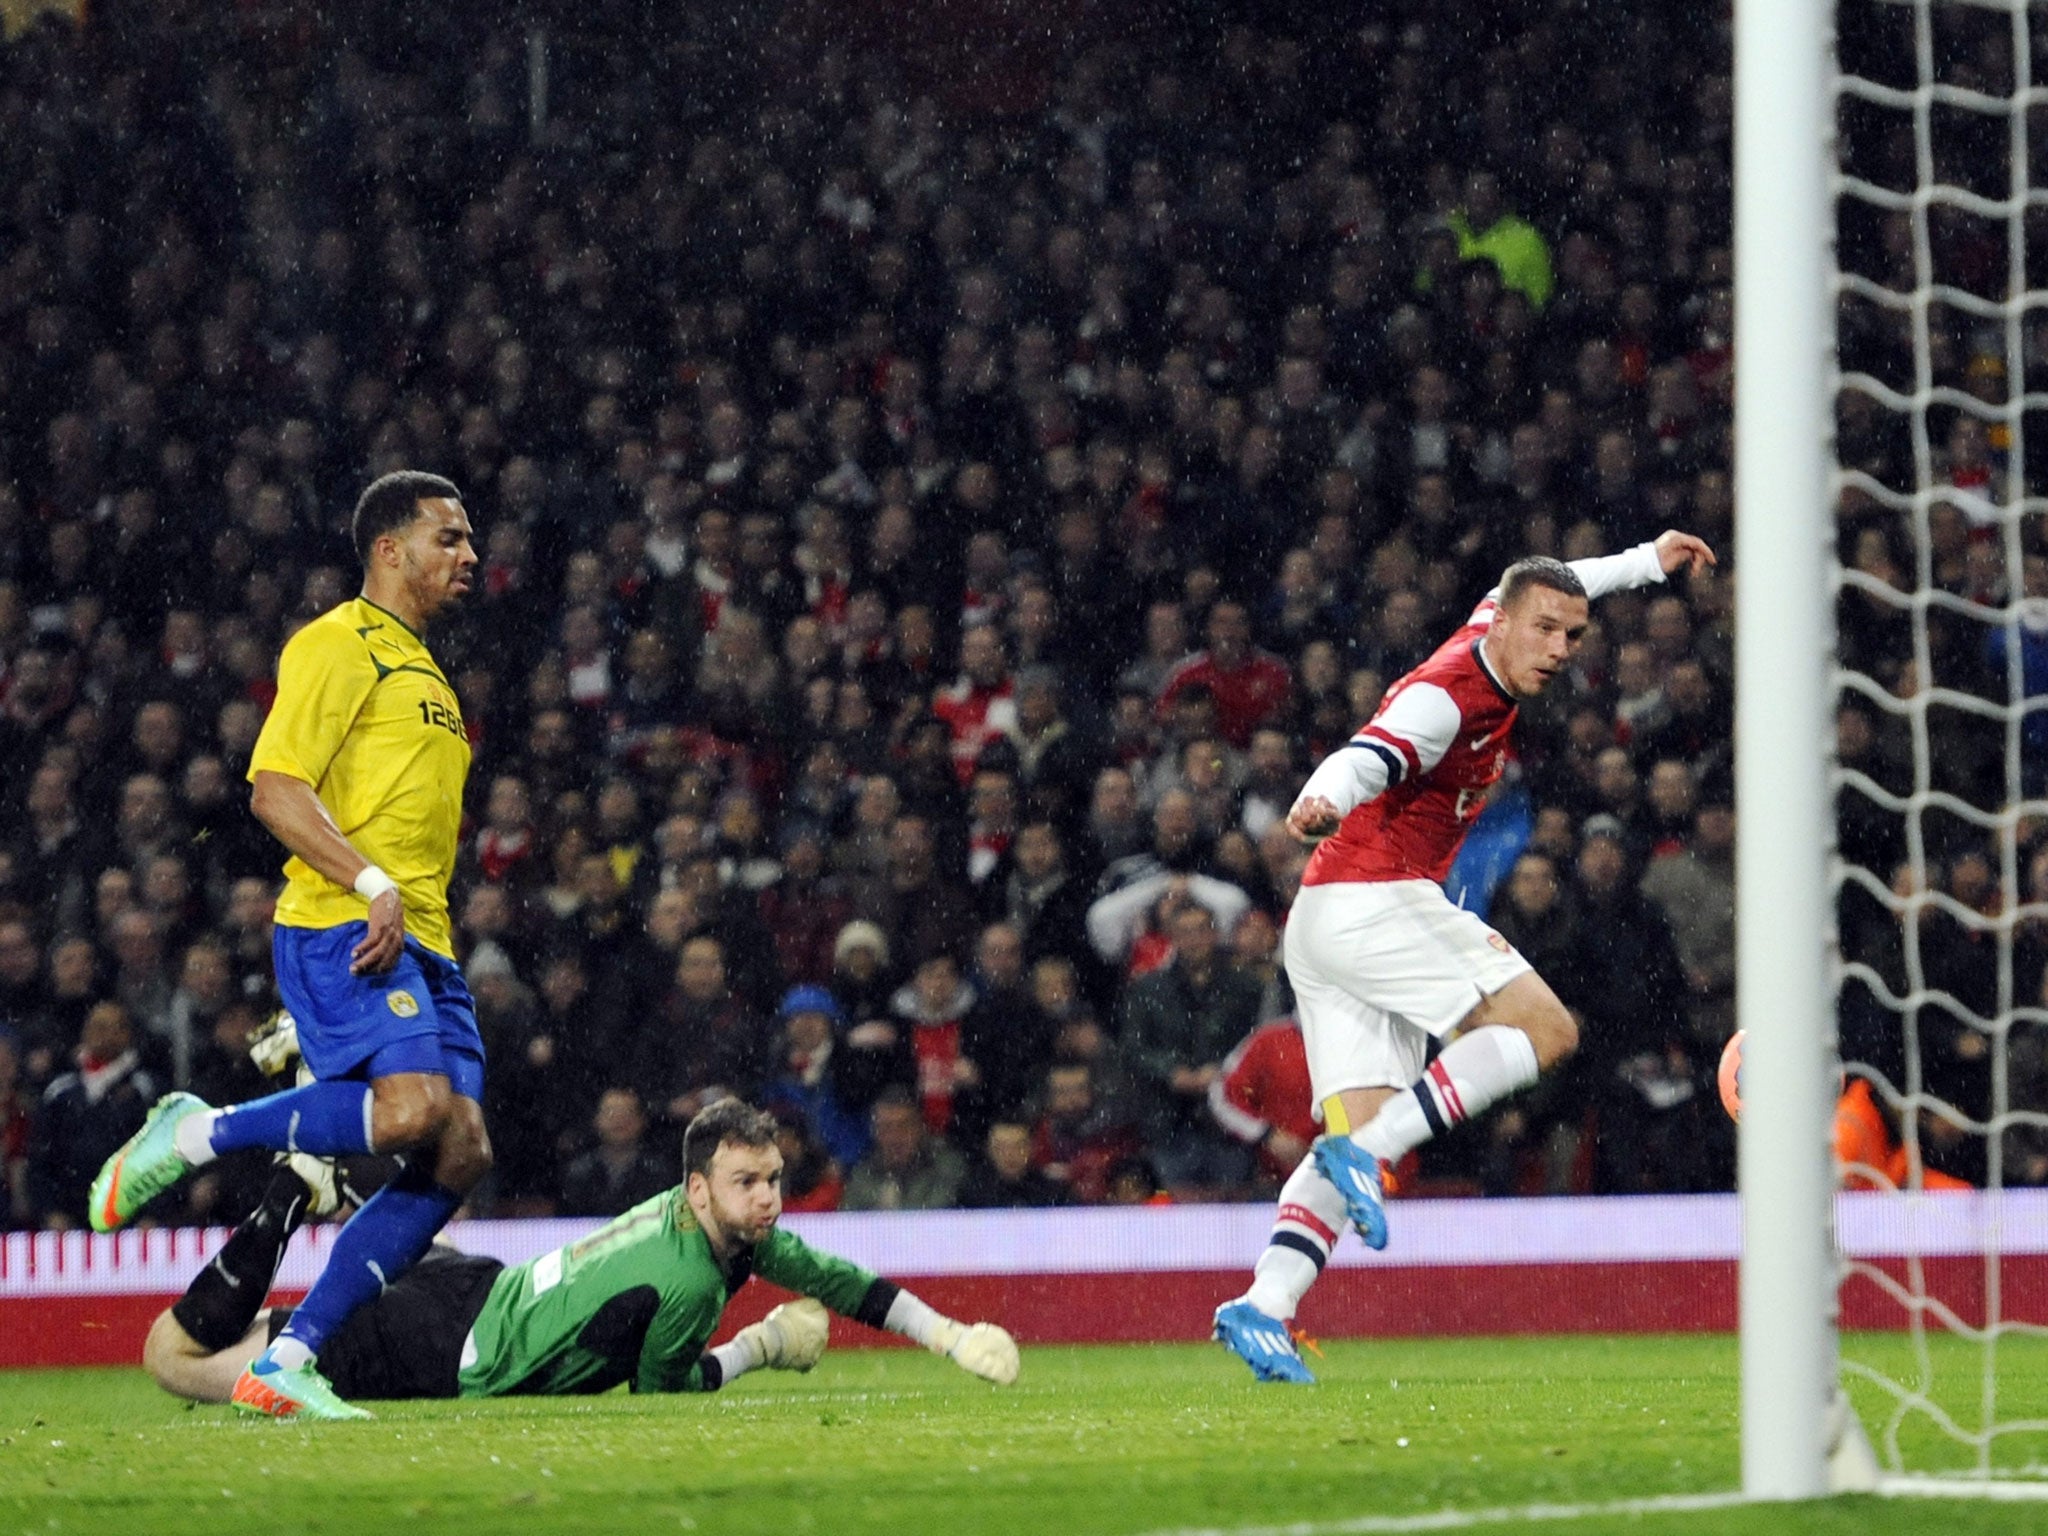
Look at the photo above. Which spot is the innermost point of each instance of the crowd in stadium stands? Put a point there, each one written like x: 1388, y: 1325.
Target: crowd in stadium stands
x: 924, y: 552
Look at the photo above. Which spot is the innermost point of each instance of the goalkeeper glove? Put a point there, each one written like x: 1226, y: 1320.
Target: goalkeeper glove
x: 791, y: 1338
x: 986, y: 1350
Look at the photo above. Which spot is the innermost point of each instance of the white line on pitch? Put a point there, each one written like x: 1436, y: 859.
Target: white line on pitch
x: 1462, y: 1519
x: 1669, y: 1504
x: 1963, y: 1488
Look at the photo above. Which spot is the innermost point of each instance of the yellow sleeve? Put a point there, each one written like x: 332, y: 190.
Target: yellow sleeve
x: 323, y: 679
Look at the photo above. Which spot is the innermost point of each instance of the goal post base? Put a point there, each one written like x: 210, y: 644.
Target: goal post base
x: 1852, y: 1462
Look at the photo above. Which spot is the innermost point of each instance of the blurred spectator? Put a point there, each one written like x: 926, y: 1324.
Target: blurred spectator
x: 1134, y: 1181
x: 1178, y: 1024
x: 542, y: 1080
x: 21, y: 971
x: 1004, y: 1033
x: 991, y: 828
x: 205, y: 988
x: 1486, y: 230
x: 16, y: 1121
x: 981, y: 706
x: 806, y: 906
x: 1078, y: 1137
x: 74, y: 990
x: 909, y: 1168
x: 1250, y: 687
x: 932, y: 1007
x: 1039, y: 896
x: 1695, y: 891
x: 923, y: 911
x: 1055, y: 766
x: 860, y: 970
x: 621, y: 1170
x: 1004, y: 1177
x: 1271, y: 782
x: 1638, y: 1061
x: 810, y: 1072
x: 1141, y: 890
x: 504, y: 848
x: 812, y: 1179
x: 1116, y: 829
x: 2031, y: 630
x: 142, y: 982
x: 701, y: 1044
x: 228, y: 1188
x: 1166, y: 648
x: 86, y: 1114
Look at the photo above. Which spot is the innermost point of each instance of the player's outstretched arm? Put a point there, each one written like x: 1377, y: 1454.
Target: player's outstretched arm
x: 983, y: 1348
x: 1642, y: 565
x: 868, y: 1298
x: 790, y: 1338
x: 1676, y: 550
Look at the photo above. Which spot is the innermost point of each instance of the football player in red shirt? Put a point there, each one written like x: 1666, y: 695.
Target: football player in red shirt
x: 1380, y: 959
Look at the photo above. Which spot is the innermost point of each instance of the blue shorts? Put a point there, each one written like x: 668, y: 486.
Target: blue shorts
x: 416, y: 1017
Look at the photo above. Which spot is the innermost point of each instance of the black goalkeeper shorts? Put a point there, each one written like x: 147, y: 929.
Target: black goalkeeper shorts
x: 408, y: 1342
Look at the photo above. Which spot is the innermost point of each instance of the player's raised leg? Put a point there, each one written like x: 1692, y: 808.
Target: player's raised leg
x: 1506, y: 1043
x: 183, y: 1132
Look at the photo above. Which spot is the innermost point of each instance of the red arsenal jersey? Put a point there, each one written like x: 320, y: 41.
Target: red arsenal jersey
x: 1265, y: 1082
x: 1441, y: 734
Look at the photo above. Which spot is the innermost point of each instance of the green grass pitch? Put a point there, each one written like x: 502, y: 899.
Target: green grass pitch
x: 1091, y: 1441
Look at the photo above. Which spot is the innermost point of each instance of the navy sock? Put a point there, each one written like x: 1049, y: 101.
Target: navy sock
x: 380, y: 1242
x: 327, y: 1119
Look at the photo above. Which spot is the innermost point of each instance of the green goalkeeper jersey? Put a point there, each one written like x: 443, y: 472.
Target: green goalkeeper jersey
x: 636, y: 1301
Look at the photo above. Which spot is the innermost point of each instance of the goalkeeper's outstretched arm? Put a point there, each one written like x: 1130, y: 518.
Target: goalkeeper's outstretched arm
x: 983, y: 1348
x: 793, y: 1336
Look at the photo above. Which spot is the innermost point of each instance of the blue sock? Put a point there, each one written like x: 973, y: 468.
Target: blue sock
x: 380, y: 1242
x: 328, y: 1119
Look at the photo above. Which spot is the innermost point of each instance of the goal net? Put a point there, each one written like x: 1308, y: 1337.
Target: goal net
x: 1940, y: 714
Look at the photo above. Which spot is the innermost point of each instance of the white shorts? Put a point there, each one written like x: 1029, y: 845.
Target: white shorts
x: 1377, y: 968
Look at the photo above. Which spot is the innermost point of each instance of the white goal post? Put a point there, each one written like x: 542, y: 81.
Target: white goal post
x: 1784, y: 344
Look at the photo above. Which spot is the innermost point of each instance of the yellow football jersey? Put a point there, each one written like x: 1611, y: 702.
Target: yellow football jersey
x: 365, y: 716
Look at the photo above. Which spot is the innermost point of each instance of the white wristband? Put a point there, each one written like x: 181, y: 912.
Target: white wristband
x: 373, y: 882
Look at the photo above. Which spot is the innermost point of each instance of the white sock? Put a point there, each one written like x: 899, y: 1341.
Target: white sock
x: 287, y: 1352
x: 1475, y: 1072
x: 193, y: 1137
x: 1305, y: 1228
x: 737, y: 1358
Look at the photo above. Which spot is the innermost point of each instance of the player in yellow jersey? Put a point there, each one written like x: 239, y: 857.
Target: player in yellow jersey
x: 359, y: 773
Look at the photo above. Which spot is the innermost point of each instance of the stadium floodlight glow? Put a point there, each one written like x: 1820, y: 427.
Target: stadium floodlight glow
x: 1783, y: 348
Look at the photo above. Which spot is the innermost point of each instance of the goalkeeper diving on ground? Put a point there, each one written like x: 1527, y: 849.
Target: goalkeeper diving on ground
x: 636, y: 1301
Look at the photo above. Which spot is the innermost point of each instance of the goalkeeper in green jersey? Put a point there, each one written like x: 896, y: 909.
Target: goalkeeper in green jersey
x: 636, y: 1301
